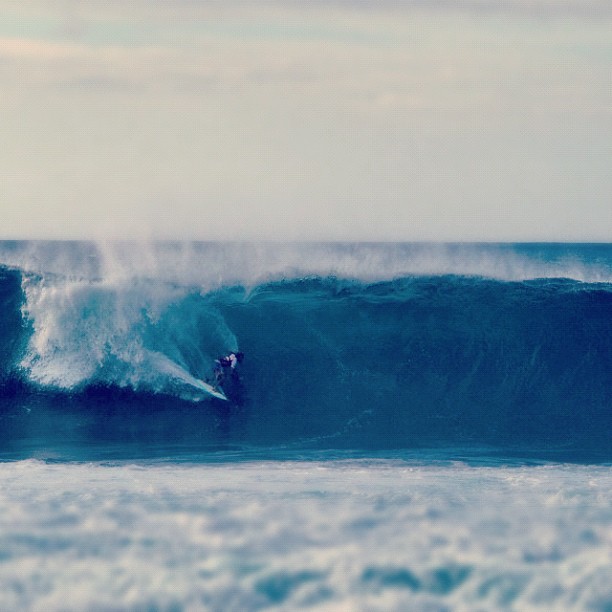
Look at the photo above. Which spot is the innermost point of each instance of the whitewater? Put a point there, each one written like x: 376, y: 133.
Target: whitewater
x: 414, y: 426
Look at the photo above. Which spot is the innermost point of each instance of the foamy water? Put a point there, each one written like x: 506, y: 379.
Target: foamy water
x: 339, y: 535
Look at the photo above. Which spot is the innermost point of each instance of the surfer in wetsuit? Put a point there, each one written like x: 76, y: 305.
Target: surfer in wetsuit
x: 227, y: 363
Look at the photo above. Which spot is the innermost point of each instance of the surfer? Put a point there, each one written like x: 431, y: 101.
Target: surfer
x: 227, y: 363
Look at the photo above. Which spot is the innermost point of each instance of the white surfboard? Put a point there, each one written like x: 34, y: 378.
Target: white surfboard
x: 200, y: 384
x: 170, y: 368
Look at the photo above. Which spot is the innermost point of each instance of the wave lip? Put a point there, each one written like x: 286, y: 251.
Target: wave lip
x: 213, y: 264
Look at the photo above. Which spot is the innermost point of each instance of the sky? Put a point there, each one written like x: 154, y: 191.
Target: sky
x: 461, y: 120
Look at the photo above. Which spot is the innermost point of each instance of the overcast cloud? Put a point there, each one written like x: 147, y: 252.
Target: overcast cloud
x: 316, y: 120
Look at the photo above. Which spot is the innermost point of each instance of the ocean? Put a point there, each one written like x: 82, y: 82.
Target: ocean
x: 415, y: 426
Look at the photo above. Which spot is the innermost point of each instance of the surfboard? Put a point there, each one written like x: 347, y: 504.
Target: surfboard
x: 174, y: 370
x: 200, y: 384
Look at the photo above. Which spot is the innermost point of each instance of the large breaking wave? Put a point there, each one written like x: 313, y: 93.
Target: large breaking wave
x: 359, y: 347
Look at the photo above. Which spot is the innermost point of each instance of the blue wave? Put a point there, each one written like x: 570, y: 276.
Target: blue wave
x: 93, y: 364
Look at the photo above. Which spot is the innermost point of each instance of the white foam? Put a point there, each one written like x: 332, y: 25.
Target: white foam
x: 329, y: 536
x: 107, y: 331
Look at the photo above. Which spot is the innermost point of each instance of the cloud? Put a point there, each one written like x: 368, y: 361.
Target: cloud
x: 302, y: 115
x: 540, y: 8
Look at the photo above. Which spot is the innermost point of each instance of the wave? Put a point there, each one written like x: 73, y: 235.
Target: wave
x: 107, y: 348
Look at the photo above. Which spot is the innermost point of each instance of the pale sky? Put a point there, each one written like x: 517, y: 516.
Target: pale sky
x: 283, y: 120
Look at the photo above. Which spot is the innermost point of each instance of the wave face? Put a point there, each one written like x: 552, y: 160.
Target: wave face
x: 360, y: 347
